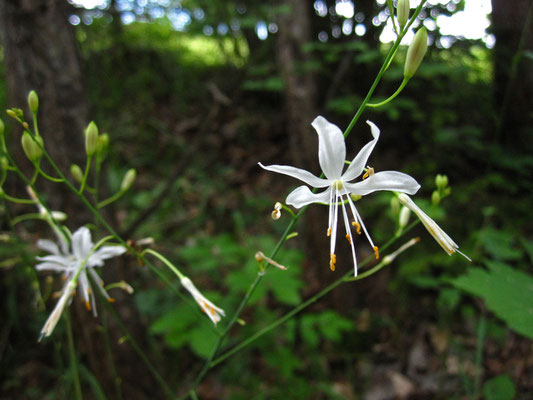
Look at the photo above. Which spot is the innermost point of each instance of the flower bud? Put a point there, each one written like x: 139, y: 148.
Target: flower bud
x: 33, y: 101
x: 355, y: 197
x: 91, y: 138
x: 403, y: 220
x: 402, y: 12
x: 435, y: 198
x: 2, y: 127
x: 103, y: 143
x: 32, y: 149
x: 441, y: 181
x: 76, y: 172
x: 59, y: 216
x: 4, y: 163
x: 415, y: 53
x: 128, y: 180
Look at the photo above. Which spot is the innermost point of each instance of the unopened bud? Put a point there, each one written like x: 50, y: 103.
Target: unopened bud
x: 435, y: 198
x: 402, y: 12
x: 2, y: 127
x: 76, y: 172
x: 59, y: 216
x: 4, y: 163
x: 403, y: 220
x: 91, y: 138
x: 128, y: 180
x: 32, y: 149
x: 415, y: 53
x: 441, y: 181
x: 33, y: 101
x: 12, y: 114
x: 103, y: 143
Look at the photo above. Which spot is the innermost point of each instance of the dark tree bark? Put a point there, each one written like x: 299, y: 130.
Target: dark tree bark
x: 41, y: 54
x: 512, y: 25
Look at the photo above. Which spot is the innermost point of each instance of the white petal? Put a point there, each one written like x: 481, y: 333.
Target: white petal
x: 81, y: 243
x: 48, y: 266
x: 59, y: 260
x: 331, y: 148
x: 297, y: 173
x: 48, y: 245
x: 359, y: 162
x: 98, y: 257
x: 386, y: 180
x: 302, y: 196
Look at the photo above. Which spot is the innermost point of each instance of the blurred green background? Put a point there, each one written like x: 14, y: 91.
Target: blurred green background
x: 193, y: 94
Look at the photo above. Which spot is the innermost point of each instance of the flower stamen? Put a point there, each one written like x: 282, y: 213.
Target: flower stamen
x: 369, y: 172
x: 332, y: 261
x: 357, y: 227
x: 329, y: 232
x: 349, y: 238
x: 376, y: 252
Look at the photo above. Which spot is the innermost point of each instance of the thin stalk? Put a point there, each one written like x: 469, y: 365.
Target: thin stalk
x: 111, y: 199
x: 310, y: 301
x: 384, y: 67
x: 73, y: 358
x: 396, y: 93
x: 481, y: 335
x: 111, y: 361
x: 85, y: 175
x: 139, y: 351
x: 16, y: 199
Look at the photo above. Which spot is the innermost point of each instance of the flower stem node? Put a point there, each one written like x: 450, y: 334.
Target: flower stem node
x: 91, y: 139
x: 339, y: 183
x: 33, y: 101
x: 402, y: 12
x: 128, y: 180
x: 31, y: 148
x: 415, y: 53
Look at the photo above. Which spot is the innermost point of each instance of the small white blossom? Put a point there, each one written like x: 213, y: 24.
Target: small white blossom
x: 213, y: 312
x: 339, y: 185
x: 80, y: 256
x: 54, y: 317
x: 436, y: 231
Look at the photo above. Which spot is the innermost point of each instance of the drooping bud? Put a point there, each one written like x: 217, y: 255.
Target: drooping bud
x: 128, y: 180
x: 32, y: 149
x: 59, y: 216
x: 76, y: 172
x: 441, y: 181
x: 91, y: 138
x: 33, y: 101
x: 402, y: 12
x: 415, y: 53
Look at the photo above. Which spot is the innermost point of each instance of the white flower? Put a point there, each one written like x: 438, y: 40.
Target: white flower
x: 339, y: 185
x: 436, y: 231
x: 213, y: 312
x: 79, y: 261
x: 54, y: 317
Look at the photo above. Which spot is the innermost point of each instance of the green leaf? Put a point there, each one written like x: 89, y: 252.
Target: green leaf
x: 507, y: 292
x: 499, y: 244
x: 499, y: 388
x: 528, y: 246
x: 202, y: 340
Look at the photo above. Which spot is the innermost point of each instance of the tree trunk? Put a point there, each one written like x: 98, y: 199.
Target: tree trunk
x: 41, y: 54
x: 512, y: 24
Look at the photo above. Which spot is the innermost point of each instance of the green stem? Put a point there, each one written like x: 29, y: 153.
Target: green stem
x: 16, y: 199
x: 111, y: 199
x: 139, y: 351
x: 25, y: 217
x: 481, y: 335
x: 86, y: 174
x: 308, y: 302
x: 51, y: 178
x: 193, y: 395
x: 396, y: 93
x: 389, y: 57
x: 165, y: 261
x: 73, y: 358
x: 111, y: 361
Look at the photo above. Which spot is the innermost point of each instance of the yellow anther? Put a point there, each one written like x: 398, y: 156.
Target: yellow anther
x: 349, y: 238
x: 369, y: 172
x: 329, y: 232
x: 376, y: 252
x: 88, y: 305
x: 111, y: 299
x: 357, y: 227
x: 332, y: 261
